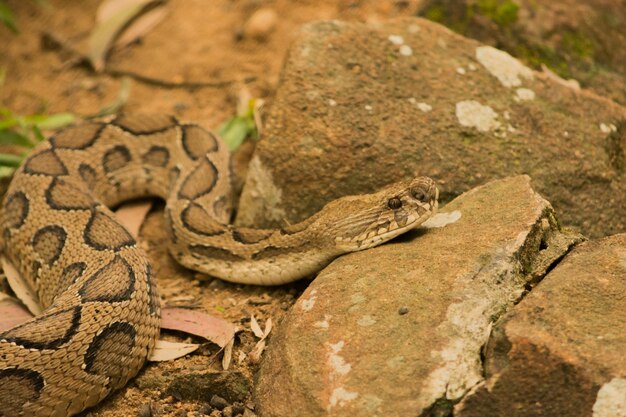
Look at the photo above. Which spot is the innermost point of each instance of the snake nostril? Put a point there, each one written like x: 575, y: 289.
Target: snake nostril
x: 419, y: 194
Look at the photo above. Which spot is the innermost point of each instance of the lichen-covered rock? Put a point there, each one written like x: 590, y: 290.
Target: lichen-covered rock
x: 561, y: 351
x: 362, y: 106
x: 397, y: 330
x: 580, y: 39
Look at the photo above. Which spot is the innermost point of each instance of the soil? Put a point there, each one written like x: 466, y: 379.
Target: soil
x: 194, y: 64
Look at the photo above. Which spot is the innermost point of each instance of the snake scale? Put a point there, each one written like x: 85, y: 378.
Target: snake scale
x: 101, y: 308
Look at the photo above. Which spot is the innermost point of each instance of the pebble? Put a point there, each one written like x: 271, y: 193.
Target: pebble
x: 403, y: 310
x: 238, y: 408
x: 218, y: 402
x: 227, y: 411
x: 205, y: 410
x: 145, y: 411
x: 261, y: 24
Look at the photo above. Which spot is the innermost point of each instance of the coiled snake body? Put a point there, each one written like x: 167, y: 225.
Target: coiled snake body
x: 101, y: 308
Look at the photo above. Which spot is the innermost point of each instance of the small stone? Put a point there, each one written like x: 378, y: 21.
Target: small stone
x: 145, y: 411
x: 249, y: 413
x: 227, y: 411
x: 205, y: 409
x: 218, y: 402
x: 238, y: 408
x: 261, y: 24
x: 403, y: 310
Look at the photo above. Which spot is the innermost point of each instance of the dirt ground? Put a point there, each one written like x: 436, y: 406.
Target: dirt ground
x: 193, y: 64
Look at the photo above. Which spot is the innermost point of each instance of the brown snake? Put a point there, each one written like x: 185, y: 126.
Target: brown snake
x: 101, y: 309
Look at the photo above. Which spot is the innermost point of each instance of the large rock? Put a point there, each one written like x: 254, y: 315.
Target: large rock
x: 562, y: 350
x: 362, y: 106
x: 581, y: 39
x: 397, y: 330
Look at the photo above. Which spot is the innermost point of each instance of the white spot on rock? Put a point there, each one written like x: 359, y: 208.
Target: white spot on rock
x: 472, y: 67
x: 366, y: 321
x: 473, y: 114
x: 442, y: 219
x: 338, y: 365
x: 368, y: 107
x: 406, y: 50
x: 608, y: 128
x: 332, y: 103
x: 503, y: 66
x: 424, y: 107
x: 524, y: 94
x: 460, y: 70
x: 396, y: 39
x: 340, y: 396
x: 323, y: 324
x: 307, y: 304
x: 611, y: 399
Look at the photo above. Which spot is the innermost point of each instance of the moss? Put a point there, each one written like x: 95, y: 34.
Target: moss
x: 435, y: 13
x: 576, y: 44
x: 503, y: 13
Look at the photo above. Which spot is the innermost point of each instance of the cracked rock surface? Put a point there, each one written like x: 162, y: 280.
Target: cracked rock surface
x: 561, y: 350
x: 397, y: 330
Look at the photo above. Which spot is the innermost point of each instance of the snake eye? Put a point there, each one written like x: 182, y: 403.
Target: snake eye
x: 418, y: 194
x: 394, y: 203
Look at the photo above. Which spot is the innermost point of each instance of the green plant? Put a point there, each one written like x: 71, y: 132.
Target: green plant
x: 24, y: 133
x: 6, y: 17
x: 236, y: 129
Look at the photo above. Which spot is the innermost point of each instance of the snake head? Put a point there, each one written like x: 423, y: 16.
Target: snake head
x: 376, y: 218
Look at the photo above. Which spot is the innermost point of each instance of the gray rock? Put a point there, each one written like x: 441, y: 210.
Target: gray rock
x: 343, y: 350
x: 561, y: 351
x: 362, y: 106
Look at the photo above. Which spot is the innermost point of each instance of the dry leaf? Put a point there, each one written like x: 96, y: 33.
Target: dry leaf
x: 167, y: 351
x: 132, y: 215
x: 194, y: 322
x: 140, y: 26
x: 12, y: 313
x: 21, y: 288
x: 113, y: 20
x: 228, y: 354
x: 257, y: 351
x: 256, y: 329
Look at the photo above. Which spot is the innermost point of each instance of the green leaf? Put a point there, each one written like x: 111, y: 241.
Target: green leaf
x: 6, y: 171
x: 234, y: 131
x: 10, y: 160
x: 39, y: 137
x: 6, y: 17
x: 55, y: 121
x: 10, y: 137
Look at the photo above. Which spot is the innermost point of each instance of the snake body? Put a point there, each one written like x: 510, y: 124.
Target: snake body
x: 101, y: 308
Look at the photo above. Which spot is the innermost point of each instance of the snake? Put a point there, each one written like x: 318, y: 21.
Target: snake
x: 100, y: 305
